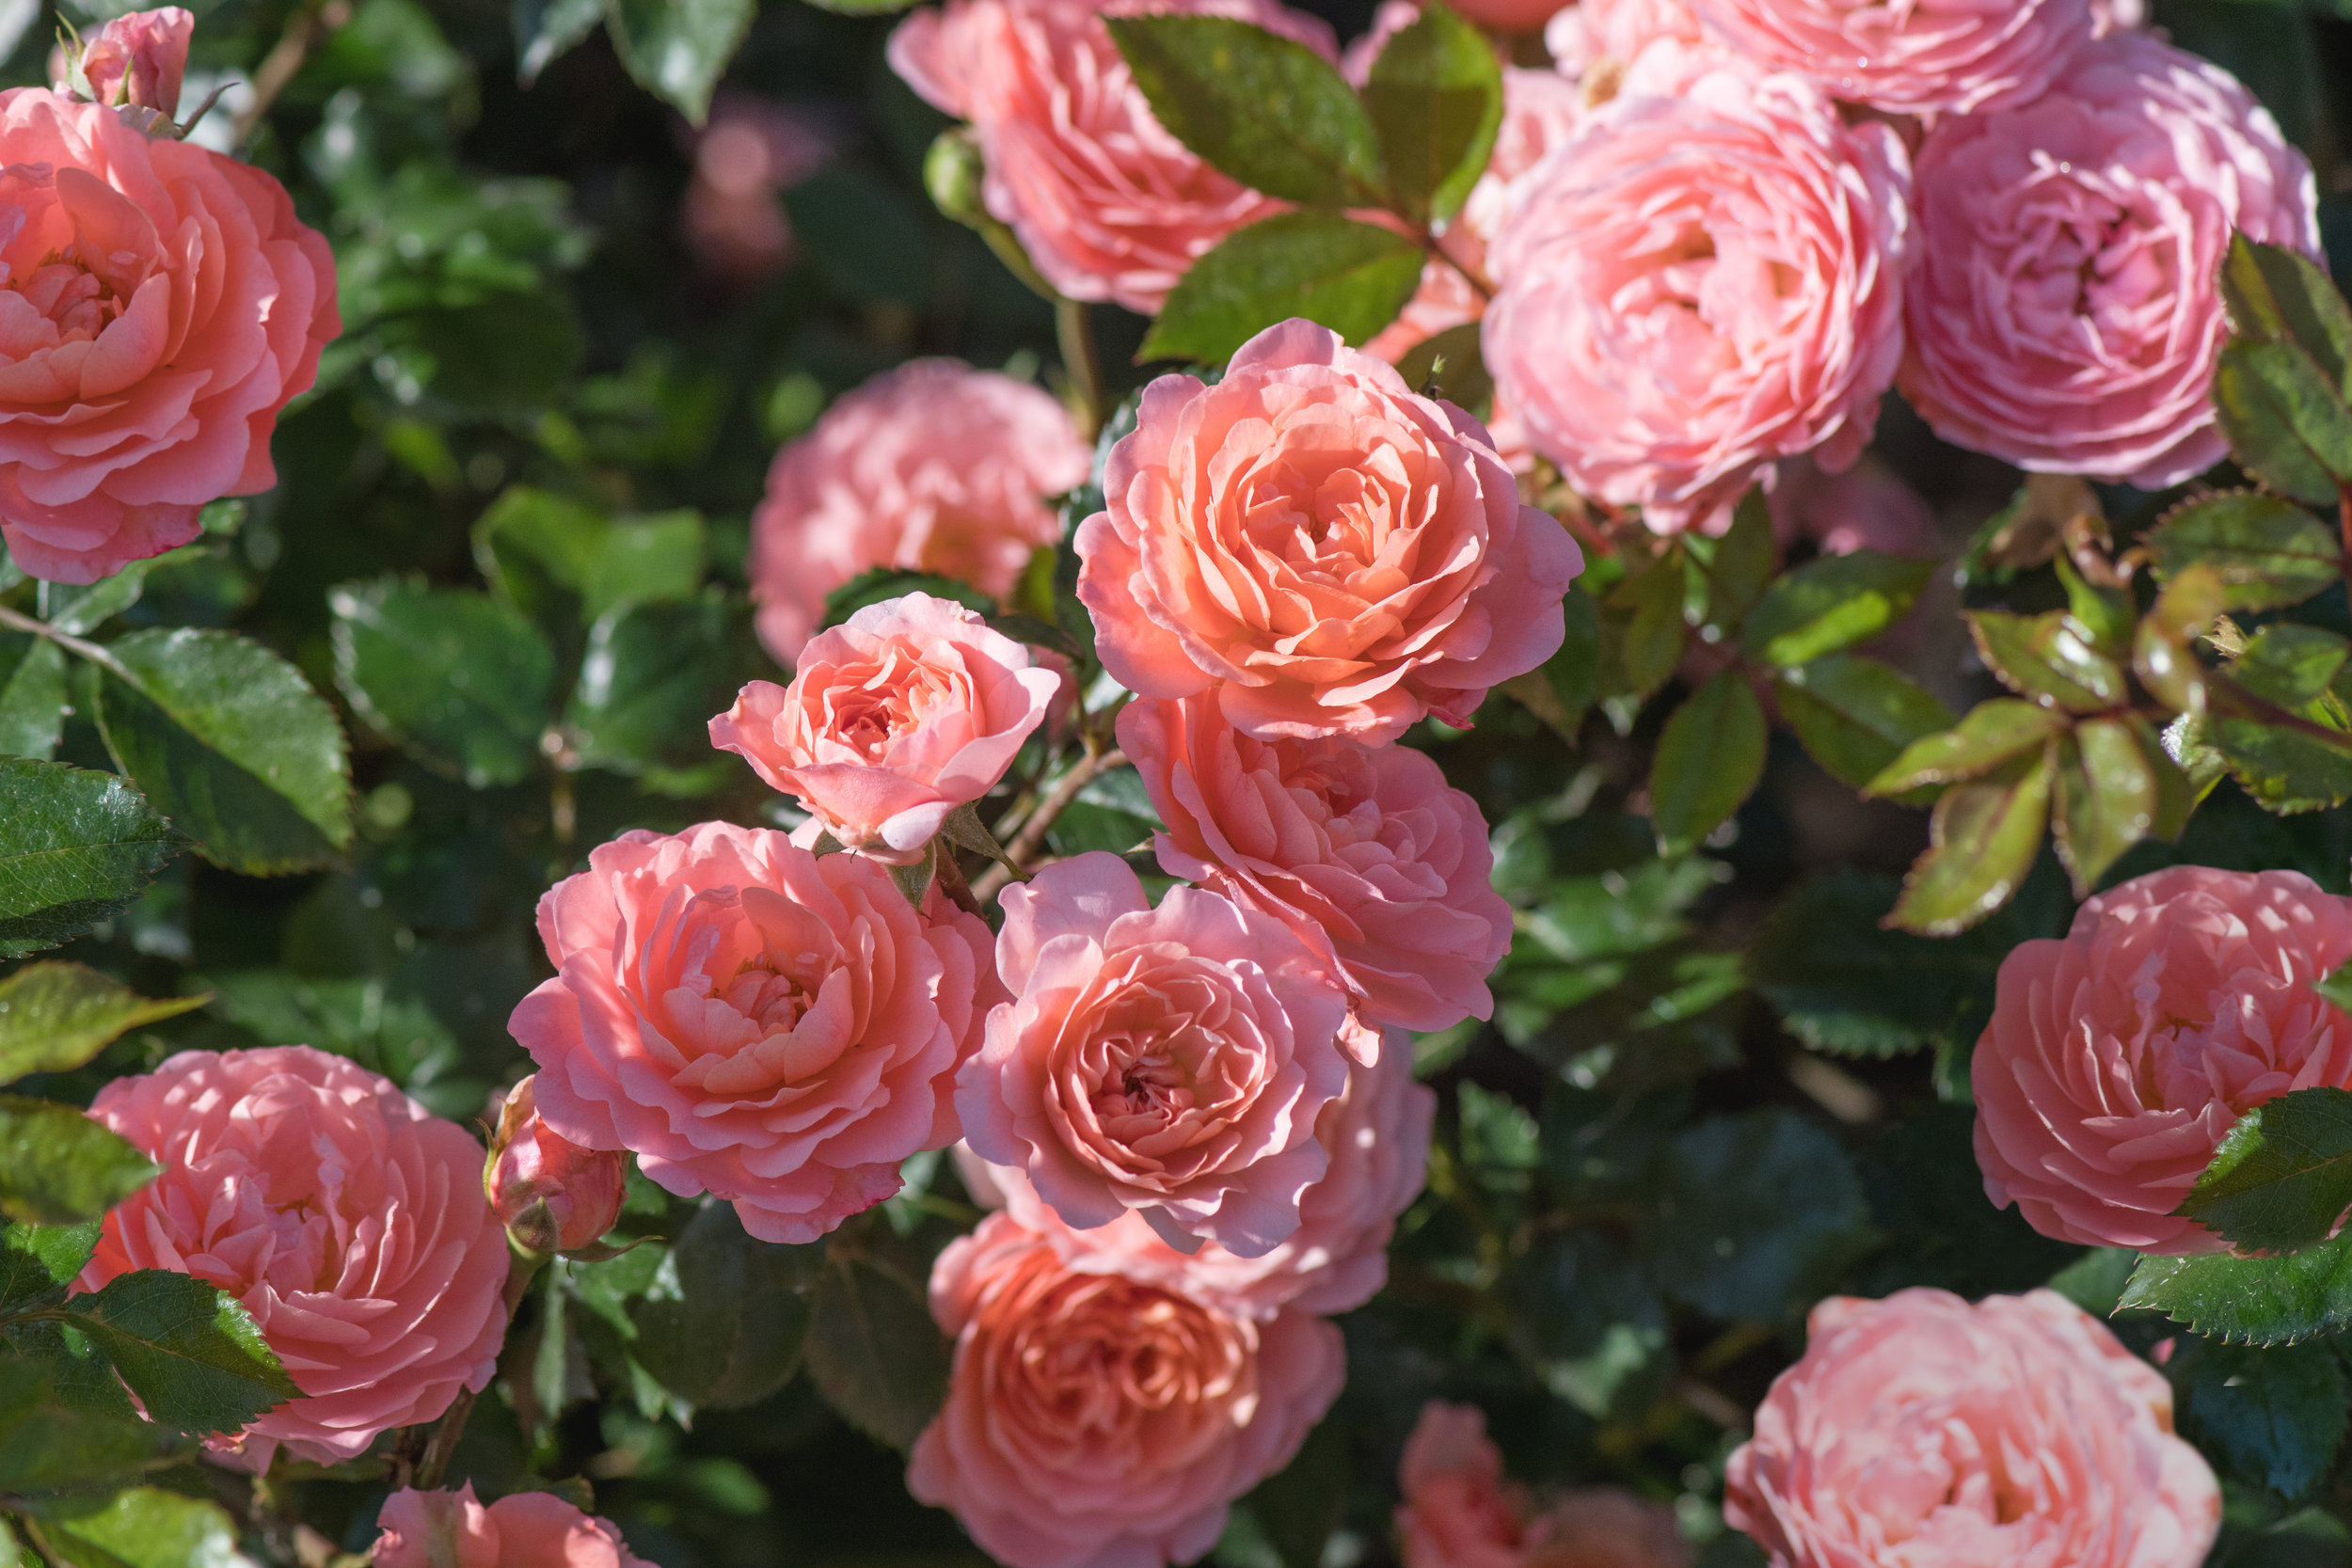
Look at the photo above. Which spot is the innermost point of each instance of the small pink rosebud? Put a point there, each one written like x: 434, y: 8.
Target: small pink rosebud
x: 551, y: 1195
x: 139, y: 58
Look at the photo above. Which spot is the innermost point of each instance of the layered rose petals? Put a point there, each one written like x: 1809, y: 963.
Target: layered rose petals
x: 523, y: 1529
x: 1096, y: 1421
x: 1927, y: 57
x: 1706, y: 277
x: 1171, y: 1062
x: 2066, y: 314
x: 161, y: 304
x: 775, y: 1029
x: 933, y: 466
x: 349, y: 1221
x: 1459, y: 1511
x: 2119, y: 1057
x: 909, y: 710
x: 1376, y: 1137
x: 1925, y: 1431
x: 1108, y: 205
x: 1332, y: 552
x: 1364, y: 851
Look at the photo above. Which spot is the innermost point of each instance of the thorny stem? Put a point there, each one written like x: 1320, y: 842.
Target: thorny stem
x: 434, y: 1465
x: 306, y: 30
x: 1032, y: 833
x: 949, y: 877
x: 1074, y: 333
x: 18, y: 621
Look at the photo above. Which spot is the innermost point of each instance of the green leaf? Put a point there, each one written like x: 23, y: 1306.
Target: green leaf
x: 2095, y: 1280
x: 1752, y: 1216
x: 1981, y: 841
x: 2051, y: 659
x: 1708, y: 760
x: 679, y: 49
x: 563, y: 564
x: 149, y: 1528
x: 2284, y: 421
x: 191, y: 1352
x: 652, y: 676
x: 50, y: 1445
x: 32, y: 695
x: 1992, y: 734
x: 1855, y: 716
x: 460, y: 680
x: 1586, y: 1323
x: 1648, y: 623
x: 883, y: 583
x: 1267, y: 110
x: 2105, y: 797
x: 1350, y: 276
x: 2253, y: 1300
x: 545, y: 30
x: 2281, y: 1177
x: 59, y: 1167
x: 1848, y: 985
x: 1742, y: 566
x: 76, y: 848
x: 874, y: 1353
x: 383, y: 1030
x: 2276, y: 1417
x: 38, y: 1262
x: 1573, y: 673
x: 53, y: 1016
x: 2303, y: 669
x: 229, y: 743
x: 2273, y: 293
x: 1436, y: 101
x: 1833, y: 603
x: 2105, y: 615
x: 2267, y: 552
x: 724, y: 1321
x: 2336, y: 985
x: 1450, y: 365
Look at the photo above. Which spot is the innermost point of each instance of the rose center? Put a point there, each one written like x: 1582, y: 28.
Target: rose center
x: 76, y: 303
x: 771, y: 998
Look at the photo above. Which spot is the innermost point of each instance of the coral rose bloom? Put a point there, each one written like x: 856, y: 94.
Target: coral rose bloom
x: 779, y: 1030
x: 1105, y: 202
x: 525, y: 1530
x: 1924, y: 56
x: 1706, y: 277
x: 2118, y: 1055
x: 1171, y: 1062
x: 1096, y: 1421
x: 349, y: 1221
x: 1460, y: 1513
x: 933, y: 466
x: 1331, y: 551
x: 1364, y: 851
x: 2066, y: 313
x: 1376, y: 1137
x: 161, y: 304
x: 905, y: 711
x: 1920, y: 1431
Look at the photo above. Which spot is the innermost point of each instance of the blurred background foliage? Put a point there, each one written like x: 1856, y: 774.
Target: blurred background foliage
x: 509, y: 542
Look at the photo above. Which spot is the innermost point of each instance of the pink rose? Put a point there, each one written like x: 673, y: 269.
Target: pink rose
x: 523, y: 1529
x: 905, y: 711
x: 1097, y: 1421
x: 1866, y: 507
x: 933, y: 466
x: 1171, y: 1062
x: 1593, y: 32
x: 348, y: 1221
x: 1108, y: 204
x: 1920, y: 1432
x: 1334, y: 553
x: 1955, y: 57
x: 1376, y: 1137
x: 2118, y: 1055
x: 1706, y: 277
x: 551, y: 1195
x: 1363, y: 851
x: 168, y: 305
x: 752, y: 151
x: 779, y: 1030
x: 1459, y: 1511
x: 139, y: 58
x: 2065, y: 315
x: 1510, y: 16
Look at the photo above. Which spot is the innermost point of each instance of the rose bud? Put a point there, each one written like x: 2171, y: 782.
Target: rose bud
x: 551, y: 1195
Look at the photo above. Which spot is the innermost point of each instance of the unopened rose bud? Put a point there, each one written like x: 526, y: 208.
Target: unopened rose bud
x: 138, y: 59
x: 551, y: 1195
x: 952, y: 173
